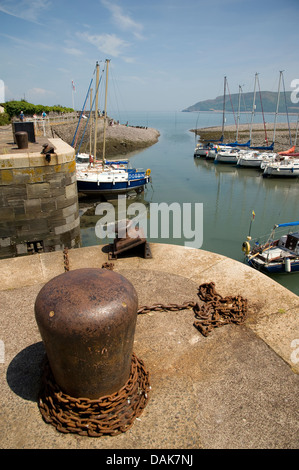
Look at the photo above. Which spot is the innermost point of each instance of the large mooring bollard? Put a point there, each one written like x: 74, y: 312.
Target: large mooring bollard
x: 87, y: 320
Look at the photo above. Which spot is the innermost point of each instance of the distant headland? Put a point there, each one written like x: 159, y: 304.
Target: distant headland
x: 265, y: 102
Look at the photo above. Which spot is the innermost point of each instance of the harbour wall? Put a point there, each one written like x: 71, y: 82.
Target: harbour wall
x: 38, y: 201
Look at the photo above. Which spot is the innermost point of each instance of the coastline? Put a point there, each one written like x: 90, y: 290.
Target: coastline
x: 282, y: 136
x: 120, y: 139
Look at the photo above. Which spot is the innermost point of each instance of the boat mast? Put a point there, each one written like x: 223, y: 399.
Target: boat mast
x: 90, y: 124
x: 285, y: 100
x: 277, y: 105
x: 253, y: 106
x: 96, y: 112
x: 223, y: 116
x: 296, y: 131
x: 105, y: 112
x: 238, y: 116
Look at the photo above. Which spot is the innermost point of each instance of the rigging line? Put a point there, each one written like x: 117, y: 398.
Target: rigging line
x: 285, y: 100
x: 93, y: 102
x: 196, y: 127
x: 245, y: 109
x: 266, y: 138
x: 118, y: 97
x: 80, y: 122
x: 113, y: 82
x: 296, y: 130
x: 231, y: 104
x: 81, y: 113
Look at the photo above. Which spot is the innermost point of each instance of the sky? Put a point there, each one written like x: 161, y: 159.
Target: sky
x: 165, y: 55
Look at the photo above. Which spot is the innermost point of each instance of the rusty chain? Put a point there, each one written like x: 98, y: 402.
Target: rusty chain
x: 108, y: 415
x: 66, y: 261
x: 215, y: 310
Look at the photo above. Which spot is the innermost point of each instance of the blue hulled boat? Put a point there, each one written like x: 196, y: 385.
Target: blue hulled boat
x: 102, y: 176
x: 276, y: 255
x: 111, y: 180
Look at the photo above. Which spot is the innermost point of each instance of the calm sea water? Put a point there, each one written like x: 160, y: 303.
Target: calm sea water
x: 228, y: 194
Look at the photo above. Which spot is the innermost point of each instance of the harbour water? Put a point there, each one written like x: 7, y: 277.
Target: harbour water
x: 228, y: 194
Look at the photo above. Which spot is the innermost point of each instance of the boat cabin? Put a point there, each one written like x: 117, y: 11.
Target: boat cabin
x: 292, y: 242
x: 82, y: 158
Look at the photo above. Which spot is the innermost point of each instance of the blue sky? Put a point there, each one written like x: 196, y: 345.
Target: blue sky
x: 165, y: 54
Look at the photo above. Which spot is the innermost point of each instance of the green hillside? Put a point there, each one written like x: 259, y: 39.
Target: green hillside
x: 267, y: 102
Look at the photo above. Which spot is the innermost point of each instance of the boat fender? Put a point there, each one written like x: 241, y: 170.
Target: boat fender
x: 246, y: 247
x: 148, y: 172
x: 288, y: 265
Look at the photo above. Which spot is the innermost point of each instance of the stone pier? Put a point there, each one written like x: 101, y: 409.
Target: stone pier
x: 237, y: 388
x: 39, y: 210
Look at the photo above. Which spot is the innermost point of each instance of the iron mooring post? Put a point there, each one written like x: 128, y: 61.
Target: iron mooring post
x: 87, y: 318
x: 93, y: 384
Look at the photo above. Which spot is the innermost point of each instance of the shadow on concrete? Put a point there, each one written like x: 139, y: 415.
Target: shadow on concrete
x: 24, y: 371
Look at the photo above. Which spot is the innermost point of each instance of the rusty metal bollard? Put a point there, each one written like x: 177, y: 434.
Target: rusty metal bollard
x: 87, y: 318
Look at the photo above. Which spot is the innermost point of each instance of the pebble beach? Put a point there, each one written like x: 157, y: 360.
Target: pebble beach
x: 120, y: 139
x: 282, y: 134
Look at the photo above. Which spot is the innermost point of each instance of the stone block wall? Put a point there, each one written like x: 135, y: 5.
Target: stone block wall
x: 39, y: 209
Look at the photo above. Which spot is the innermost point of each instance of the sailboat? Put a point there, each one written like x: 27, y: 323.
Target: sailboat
x: 227, y: 152
x: 257, y: 156
x: 267, y: 147
x: 108, y: 177
x: 286, y: 164
x: 236, y: 143
x: 291, y: 151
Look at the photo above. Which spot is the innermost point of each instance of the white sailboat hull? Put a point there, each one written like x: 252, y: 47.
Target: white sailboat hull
x: 255, y: 160
x: 290, y: 170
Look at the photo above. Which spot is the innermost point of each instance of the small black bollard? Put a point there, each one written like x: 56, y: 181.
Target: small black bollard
x: 22, y: 140
x: 87, y: 318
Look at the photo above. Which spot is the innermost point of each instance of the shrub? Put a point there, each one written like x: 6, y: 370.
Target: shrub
x: 4, y: 119
x: 14, y: 108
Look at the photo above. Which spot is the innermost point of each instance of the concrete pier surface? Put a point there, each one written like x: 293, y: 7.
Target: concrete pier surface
x: 237, y: 388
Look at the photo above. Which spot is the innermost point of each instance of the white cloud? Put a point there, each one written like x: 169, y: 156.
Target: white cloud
x: 39, y: 92
x: 28, y: 10
x: 109, y: 44
x: 129, y: 60
x: 122, y: 20
x: 72, y: 51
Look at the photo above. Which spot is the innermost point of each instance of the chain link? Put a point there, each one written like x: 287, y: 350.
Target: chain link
x: 215, y: 310
x: 108, y: 415
x: 66, y: 261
